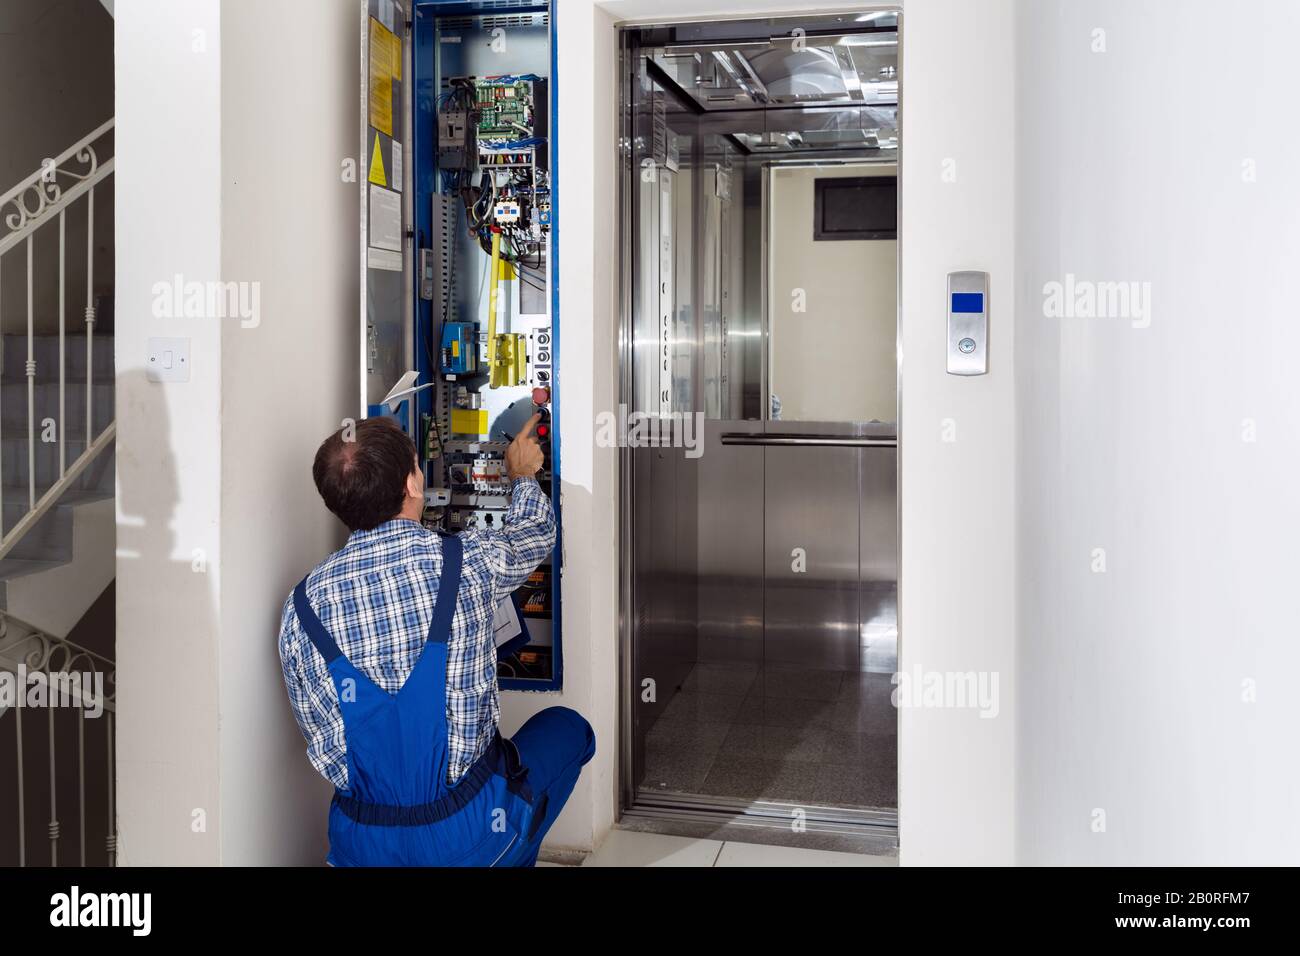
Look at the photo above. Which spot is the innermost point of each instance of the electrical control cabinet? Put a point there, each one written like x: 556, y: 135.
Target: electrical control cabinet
x: 458, y: 105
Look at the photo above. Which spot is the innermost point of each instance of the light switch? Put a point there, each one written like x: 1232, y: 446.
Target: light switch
x: 168, y: 360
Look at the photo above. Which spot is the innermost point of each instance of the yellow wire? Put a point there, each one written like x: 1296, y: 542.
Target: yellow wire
x: 492, y: 307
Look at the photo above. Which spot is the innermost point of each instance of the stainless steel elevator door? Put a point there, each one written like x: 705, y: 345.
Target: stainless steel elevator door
x: 810, y: 556
x: 731, y: 560
x: 760, y: 576
x: 878, y: 560
x: 788, y: 703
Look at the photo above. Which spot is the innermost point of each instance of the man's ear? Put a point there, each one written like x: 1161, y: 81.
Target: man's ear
x: 414, y: 485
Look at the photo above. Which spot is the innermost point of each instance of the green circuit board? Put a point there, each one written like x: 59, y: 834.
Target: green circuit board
x: 505, y: 109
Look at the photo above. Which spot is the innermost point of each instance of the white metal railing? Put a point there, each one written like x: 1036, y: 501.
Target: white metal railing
x: 28, y: 652
x: 37, y: 201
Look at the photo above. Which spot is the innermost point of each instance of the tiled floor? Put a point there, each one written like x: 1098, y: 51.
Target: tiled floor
x: 777, y: 732
x: 626, y: 848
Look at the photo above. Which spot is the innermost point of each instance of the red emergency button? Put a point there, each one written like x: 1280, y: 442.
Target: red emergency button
x: 543, y: 431
x: 541, y: 395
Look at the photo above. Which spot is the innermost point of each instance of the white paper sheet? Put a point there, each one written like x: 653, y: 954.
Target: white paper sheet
x: 385, y: 218
x: 505, y: 623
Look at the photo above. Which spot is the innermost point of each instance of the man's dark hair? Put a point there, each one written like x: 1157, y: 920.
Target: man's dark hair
x: 361, y: 472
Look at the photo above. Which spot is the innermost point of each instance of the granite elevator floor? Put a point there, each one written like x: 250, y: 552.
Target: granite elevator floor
x: 778, y: 732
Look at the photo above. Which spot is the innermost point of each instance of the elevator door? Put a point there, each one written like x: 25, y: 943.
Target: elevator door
x: 798, y: 599
x: 761, y: 549
x: 810, y: 557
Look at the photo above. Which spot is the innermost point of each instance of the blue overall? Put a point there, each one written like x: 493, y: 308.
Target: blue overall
x: 398, y: 809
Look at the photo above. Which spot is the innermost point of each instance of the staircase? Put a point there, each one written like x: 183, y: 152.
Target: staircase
x: 58, y: 804
x: 57, y: 430
x: 48, y: 543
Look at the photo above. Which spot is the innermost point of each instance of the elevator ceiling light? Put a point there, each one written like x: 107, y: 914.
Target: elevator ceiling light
x: 865, y: 40
x: 833, y: 68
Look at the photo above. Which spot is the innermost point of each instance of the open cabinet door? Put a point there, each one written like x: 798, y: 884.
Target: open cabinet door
x: 385, y: 180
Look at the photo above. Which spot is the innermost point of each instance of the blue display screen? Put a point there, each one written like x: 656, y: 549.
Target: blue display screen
x: 968, y: 301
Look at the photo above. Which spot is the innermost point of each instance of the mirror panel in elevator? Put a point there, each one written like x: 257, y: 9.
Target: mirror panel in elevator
x: 759, y: 335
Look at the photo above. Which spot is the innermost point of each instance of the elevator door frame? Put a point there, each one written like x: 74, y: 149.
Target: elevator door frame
x: 685, y: 812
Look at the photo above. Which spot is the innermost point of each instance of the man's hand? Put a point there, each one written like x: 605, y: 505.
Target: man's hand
x: 524, y: 456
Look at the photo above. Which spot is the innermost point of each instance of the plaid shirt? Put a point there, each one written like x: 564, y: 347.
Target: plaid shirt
x: 375, y: 597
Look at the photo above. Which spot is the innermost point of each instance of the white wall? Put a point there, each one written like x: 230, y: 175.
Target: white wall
x: 848, y: 329
x: 168, y: 458
x: 230, y: 174
x: 1172, y: 447
x: 289, y: 222
x: 956, y: 769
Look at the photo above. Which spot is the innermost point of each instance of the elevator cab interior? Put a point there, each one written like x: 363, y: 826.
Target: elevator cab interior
x: 759, y: 214
x: 459, y: 221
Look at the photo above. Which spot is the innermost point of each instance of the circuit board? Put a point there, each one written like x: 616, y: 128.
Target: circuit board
x: 505, y: 110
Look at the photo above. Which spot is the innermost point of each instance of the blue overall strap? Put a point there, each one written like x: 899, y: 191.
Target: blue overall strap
x: 312, y: 625
x: 448, y: 586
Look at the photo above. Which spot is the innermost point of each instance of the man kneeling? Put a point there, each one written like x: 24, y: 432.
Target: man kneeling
x: 389, y: 660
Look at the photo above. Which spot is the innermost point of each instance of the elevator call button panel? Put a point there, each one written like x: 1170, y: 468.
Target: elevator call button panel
x: 968, y: 323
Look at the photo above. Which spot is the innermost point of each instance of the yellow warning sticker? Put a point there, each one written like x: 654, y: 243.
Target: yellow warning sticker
x: 382, y: 44
x: 377, y: 166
